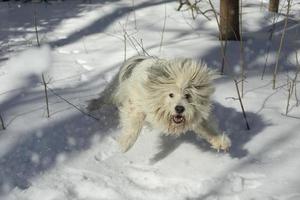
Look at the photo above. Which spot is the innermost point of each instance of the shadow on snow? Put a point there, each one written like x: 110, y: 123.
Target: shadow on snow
x: 230, y: 121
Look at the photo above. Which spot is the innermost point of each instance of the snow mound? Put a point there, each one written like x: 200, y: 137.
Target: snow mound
x: 33, y: 61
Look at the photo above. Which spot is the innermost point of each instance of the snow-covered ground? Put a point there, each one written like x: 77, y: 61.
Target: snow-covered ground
x: 71, y: 156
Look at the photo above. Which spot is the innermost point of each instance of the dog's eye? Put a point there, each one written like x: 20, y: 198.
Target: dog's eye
x: 171, y: 95
x: 198, y: 87
x: 187, y: 96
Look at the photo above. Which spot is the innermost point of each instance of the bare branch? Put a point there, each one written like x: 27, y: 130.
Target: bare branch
x: 68, y: 102
x: 289, y: 97
x: 46, y: 95
x: 36, y: 30
x: 281, y: 44
x: 241, y: 103
x: 163, y: 29
x: 2, y: 122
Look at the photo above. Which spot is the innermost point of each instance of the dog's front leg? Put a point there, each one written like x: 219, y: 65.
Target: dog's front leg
x: 209, y: 132
x: 132, y: 123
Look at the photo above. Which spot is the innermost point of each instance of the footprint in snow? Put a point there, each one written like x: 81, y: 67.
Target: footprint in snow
x: 80, y: 61
x: 83, y: 64
x: 63, y: 51
x: 146, y: 178
x: 109, y: 147
x: 75, y: 51
x: 240, y: 182
x: 83, y: 78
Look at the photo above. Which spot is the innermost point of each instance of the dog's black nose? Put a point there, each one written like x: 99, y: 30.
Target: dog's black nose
x: 179, y: 109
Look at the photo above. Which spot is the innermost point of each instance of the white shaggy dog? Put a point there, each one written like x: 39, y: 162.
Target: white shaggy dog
x: 171, y: 95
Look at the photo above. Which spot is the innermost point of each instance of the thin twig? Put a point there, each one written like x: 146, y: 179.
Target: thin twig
x: 295, y: 79
x: 134, y: 15
x: 2, y: 122
x: 43, y: 78
x: 268, y: 48
x: 241, y: 103
x: 129, y: 39
x: 68, y: 102
x: 36, y: 30
x: 204, y: 12
x: 141, y: 45
x: 269, y: 45
x: 132, y: 43
x: 291, y: 116
x: 269, y: 42
x: 296, y: 96
x: 289, y: 97
x: 194, y: 7
x: 125, y: 47
x: 46, y: 95
x: 221, y: 41
x: 163, y: 29
x: 242, y: 53
x: 281, y: 44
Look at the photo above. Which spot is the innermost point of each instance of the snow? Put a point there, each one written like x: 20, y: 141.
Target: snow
x: 17, y: 71
x: 72, y: 156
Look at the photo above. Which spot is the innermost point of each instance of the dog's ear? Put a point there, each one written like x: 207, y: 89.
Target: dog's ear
x: 202, y: 81
x: 199, y: 87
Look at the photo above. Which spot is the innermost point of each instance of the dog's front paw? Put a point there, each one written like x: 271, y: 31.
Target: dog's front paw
x: 220, y: 142
x: 125, y: 143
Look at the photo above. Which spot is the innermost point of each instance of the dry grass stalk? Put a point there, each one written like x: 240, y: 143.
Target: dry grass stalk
x: 73, y: 105
x: 43, y: 77
x: 134, y: 15
x: 163, y: 29
x: 289, y: 96
x: 241, y: 104
x: 295, y: 79
x: 292, y: 86
x: 125, y: 47
x: 36, y: 30
x: 242, y: 52
x: 2, y: 122
x: 281, y: 44
x: 223, y: 47
x: 46, y: 95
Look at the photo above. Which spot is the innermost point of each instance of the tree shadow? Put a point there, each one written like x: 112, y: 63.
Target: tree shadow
x: 230, y: 121
x: 17, y: 21
x: 45, y: 146
x: 39, y: 147
x: 256, y: 45
x: 269, y: 146
x: 103, y: 22
x: 42, y: 148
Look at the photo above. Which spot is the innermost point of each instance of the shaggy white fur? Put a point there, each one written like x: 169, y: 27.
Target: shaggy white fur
x: 171, y: 95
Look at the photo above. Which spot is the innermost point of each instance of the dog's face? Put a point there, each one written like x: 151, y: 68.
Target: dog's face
x: 179, y: 94
x: 178, y: 102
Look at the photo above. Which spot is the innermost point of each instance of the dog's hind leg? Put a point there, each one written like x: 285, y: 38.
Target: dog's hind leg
x: 132, y: 123
x: 211, y: 134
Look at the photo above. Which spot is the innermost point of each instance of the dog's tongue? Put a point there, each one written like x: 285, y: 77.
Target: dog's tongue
x: 178, y: 119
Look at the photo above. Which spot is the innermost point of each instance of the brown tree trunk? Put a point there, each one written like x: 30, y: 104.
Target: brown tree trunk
x: 229, y: 20
x: 273, y: 6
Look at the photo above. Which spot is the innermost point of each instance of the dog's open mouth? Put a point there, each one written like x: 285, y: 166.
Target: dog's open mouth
x: 177, y: 119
